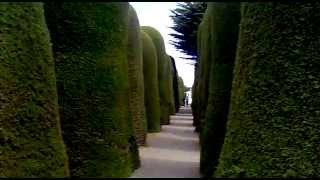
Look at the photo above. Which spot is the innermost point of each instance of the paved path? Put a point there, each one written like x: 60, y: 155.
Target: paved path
x: 173, y: 152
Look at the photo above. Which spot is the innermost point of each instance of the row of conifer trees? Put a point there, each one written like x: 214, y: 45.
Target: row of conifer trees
x: 81, y: 84
x: 256, y: 90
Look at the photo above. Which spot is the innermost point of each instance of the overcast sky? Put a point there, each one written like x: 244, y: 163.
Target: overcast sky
x: 156, y: 14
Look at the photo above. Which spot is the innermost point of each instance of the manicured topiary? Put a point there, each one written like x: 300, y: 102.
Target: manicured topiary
x: 195, y: 86
x: 224, y: 25
x: 181, y: 90
x: 169, y: 79
x: 151, y: 88
x: 162, y: 61
x: 90, y: 48
x: 175, y: 85
x: 30, y: 137
x: 136, y: 92
x: 168, y: 88
x: 195, y: 98
x: 205, y: 61
x: 274, y: 119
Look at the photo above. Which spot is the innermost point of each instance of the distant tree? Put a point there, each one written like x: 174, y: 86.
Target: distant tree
x: 186, y: 18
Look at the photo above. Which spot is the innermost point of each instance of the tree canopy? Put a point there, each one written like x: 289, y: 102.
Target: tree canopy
x: 186, y: 18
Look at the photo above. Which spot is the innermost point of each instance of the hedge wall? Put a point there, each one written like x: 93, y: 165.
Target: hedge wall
x: 169, y: 78
x: 224, y: 25
x: 136, y: 84
x: 90, y: 48
x: 151, y: 88
x: 203, y: 68
x: 195, y: 98
x: 273, y: 128
x: 175, y: 85
x: 30, y: 138
x: 181, y: 91
x: 195, y: 86
x: 151, y: 85
x: 168, y: 88
x: 162, y: 61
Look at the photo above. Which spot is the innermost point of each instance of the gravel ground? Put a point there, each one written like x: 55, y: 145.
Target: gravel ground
x: 173, y: 152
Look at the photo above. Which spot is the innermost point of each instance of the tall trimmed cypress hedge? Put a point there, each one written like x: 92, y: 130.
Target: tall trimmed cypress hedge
x: 90, y: 48
x: 162, y: 75
x: 151, y: 86
x: 175, y: 85
x: 195, y: 86
x: 205, y: 60
x: 224, y: 25
x: 274, y: 119
x: 168, y: 89
x: 195, y: 98
x: 136, y: 92
x: 30, y: 138
x: 181, y: 90
x: 169, y: 79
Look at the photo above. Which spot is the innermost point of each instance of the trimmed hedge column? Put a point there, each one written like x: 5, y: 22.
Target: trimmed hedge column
x: 195, y: 86
x: 168, y: 88
x: 204, y: 63
x: 90, y: 46
x: 175, y: 85
x: 162, y: 61
x: 151, y: 88
x: 274, y: 119
x: 195, y: 97
x: 225, y: 18
x: 30, y: 138
x: 135, y: 59
x: 136, y: 92
x: 169, y: 81
x: 181, y: 90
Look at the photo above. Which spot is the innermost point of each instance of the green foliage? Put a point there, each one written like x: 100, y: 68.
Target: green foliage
x: 181, y: 90
x: 186, y: 18
x: 169, y: 79
x: 136, y: 92
x: 151, y: 88
x: 168, y: 89
x: 195, y: 99
x: 30, y: 138
x: 200, y: 90
x: 273, y: 128
x: 224, y: 27
x: 175, y: 85
x: 163, y: 79
x: 90, y: 48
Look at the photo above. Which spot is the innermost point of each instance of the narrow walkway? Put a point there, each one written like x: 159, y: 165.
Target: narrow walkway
x: 173, y: 152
